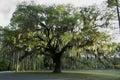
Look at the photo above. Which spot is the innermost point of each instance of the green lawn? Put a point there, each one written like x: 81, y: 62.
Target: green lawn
x: 112, y: 73
x: 80, y: 74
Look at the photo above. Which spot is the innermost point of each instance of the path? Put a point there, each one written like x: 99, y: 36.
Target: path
x: 14, y: 76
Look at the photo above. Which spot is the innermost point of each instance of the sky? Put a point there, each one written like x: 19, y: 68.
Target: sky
x: 7, y: 7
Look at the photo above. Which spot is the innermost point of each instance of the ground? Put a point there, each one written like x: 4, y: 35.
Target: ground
x: 66, y: 75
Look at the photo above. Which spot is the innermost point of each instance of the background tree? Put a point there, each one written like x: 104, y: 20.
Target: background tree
x: 115, y: 3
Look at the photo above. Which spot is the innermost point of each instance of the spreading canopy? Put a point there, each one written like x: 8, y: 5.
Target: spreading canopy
x: 53, y: 30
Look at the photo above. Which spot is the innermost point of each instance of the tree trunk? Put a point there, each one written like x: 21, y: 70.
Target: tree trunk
x: 117, y: 7
x: 57, y: 63
x: 17, y: 63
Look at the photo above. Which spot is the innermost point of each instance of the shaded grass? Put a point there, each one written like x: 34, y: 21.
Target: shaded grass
x: 78, y: 75
x: 112, y: 73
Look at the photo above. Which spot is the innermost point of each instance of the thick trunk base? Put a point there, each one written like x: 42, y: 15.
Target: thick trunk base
x: 57, y: 64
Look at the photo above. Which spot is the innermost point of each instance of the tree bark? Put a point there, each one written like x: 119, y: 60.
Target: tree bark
x: 57, y: 63
x: 17, y: 63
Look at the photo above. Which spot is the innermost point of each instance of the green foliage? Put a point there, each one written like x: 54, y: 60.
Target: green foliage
x: 53, y: 24
x: 3, y: 66
x: 117, y: 66
x: 53, y: 31
x: 112, y: 3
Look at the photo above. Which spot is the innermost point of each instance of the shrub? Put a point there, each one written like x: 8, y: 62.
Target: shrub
x: 117, y: 66
x: 3, y: 66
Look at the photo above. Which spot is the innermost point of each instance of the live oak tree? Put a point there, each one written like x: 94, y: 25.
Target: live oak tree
x: 54, y: 30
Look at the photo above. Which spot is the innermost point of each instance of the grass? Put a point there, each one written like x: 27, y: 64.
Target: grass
x: 112, y: 73
x: 79, y: 75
